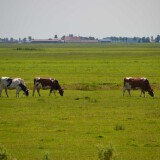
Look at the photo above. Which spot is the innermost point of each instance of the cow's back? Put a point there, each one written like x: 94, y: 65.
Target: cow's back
x: 3, y: 81
x: 43, y: 82
x: 136, y: 83
x: 16, y: 82
x: 19, y: 81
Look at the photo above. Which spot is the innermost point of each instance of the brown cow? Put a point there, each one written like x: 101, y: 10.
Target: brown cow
x: 137, y: 83
x: 47, y: 83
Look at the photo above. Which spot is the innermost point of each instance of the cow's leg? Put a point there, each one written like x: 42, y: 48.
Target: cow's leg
x: 17, y: 94
x: 0, y: 90
x: 124, y: 89
x: 34, y: 90
x: 129, y: 91
x: 6, y: 92
x: 17, y: 91
x: 38, y: 90
x: 54, y: 92
x: 50, y: 92
x: 143, y: 93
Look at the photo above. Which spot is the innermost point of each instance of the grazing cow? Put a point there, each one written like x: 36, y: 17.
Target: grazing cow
x: 137, y: 83
x: 13, y: 83
x: 47, y: 83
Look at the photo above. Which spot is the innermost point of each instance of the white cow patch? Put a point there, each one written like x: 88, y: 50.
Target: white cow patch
x: 128, y: 78
x: 39, y: 85
x: 143, y: 78
x: 127, y: 85
x: 46, y: 87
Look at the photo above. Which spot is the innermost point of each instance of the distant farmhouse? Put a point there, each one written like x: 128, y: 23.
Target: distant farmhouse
x: 72, y: 39
x: 75, y: 39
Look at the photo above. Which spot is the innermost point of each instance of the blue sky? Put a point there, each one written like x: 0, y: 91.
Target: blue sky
x: 98, y: 18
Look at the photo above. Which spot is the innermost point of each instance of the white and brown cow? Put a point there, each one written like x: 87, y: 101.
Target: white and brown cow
x: 13, y: 83
x: 131, y: 83
x: 47, y: 83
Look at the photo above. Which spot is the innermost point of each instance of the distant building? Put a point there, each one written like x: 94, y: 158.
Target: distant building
x: 55, y: 40
x: 120, y: 40
x: 105, y: 40
x: 89, y: 41
x: 71, y: 39
x: 75, y: 39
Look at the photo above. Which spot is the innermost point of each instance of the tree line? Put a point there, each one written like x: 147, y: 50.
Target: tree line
x: 112, y: 38
x: 136, y: 39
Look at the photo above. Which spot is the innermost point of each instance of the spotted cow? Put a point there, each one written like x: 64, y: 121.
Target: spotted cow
x: 47, y: 83
x: 13, y: 83
x: 131, y: 83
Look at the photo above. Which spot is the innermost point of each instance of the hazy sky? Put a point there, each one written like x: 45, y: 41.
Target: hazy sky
x: 98, y: 18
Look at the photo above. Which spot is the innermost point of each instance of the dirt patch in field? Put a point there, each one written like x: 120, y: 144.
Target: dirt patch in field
x: 90, y: 87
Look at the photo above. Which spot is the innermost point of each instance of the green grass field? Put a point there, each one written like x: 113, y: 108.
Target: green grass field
x: 92, y: 113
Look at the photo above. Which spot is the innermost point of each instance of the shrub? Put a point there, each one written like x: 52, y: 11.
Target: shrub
x: 46, y: 157
x: 119, y: 127
x: 106, y: 153
x: 3, y: 153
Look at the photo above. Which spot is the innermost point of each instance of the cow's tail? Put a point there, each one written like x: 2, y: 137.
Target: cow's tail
x: 0, y: 80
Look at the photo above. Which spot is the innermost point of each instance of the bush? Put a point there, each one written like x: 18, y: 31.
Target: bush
x: 3, y: 153
x: 106, y: 153
x: 119, y: 127
x: 46, y: 157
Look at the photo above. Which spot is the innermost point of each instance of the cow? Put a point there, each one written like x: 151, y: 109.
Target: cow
x: 131, y: 83
x: 47, y: 83
x: 13, y: 83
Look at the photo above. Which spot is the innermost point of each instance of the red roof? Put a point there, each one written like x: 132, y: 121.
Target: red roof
x: 72, y: 39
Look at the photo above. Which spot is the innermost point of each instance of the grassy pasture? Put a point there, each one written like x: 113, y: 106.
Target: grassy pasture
x: 92, y: 112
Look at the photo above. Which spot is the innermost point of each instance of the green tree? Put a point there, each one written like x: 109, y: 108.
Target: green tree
x: 147, y: 40
x: 29, y: 38
x: 55, y: 36
x: 24, y: 39
x: 157, y: 39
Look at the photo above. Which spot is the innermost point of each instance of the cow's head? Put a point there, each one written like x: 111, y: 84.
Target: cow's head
x: 151, y: 93
x: 26, y: 92
x: 61, y: 91
x: 24, y: 88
